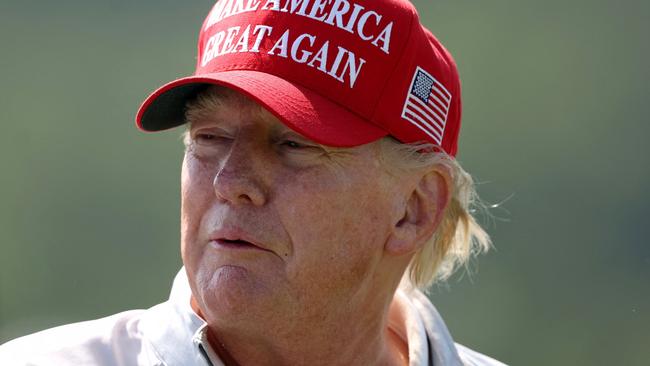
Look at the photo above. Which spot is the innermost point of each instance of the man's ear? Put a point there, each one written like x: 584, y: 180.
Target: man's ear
x: 422, y: 213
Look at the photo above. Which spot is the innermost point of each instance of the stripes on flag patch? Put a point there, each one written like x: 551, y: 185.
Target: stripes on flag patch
x: 427, y: 105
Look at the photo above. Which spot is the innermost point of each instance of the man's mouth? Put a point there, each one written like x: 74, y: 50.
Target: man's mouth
x: 234, y: 238
x: 234, y: 243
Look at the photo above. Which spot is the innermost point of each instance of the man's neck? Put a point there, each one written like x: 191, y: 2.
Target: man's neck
x: 357, y: 339
x: 388, y: 349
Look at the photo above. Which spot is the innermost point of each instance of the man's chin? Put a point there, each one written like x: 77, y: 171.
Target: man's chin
x: 230, y: 290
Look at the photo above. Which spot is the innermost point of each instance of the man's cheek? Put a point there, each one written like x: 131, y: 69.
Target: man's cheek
x: 193, y: 209
x: 197, y: 194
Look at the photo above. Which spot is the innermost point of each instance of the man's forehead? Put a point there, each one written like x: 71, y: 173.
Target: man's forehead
x: 220, y: 105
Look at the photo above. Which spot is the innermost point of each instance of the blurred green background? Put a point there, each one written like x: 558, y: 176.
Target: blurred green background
x: 555, y: 124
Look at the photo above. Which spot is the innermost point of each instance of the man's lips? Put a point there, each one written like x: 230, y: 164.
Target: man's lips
x: 235, y: 238
x: 234, y: 244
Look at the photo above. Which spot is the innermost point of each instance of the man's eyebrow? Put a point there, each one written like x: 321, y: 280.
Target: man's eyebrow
x: 201, y: 112
x: 282, y: 129
x: 201, y: 120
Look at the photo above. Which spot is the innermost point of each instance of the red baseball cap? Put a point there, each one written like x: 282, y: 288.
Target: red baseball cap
x: 340, y: 72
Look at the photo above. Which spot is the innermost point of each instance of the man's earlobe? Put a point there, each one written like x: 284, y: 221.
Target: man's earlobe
x: 422, y: 214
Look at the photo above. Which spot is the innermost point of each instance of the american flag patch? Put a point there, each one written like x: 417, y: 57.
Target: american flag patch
x: 427, y: 105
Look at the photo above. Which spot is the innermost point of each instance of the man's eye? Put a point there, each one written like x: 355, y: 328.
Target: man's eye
x: 209, y: 139
x: 204, y: 137
x: 292, y: 144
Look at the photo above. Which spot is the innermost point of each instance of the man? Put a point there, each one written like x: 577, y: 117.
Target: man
x: 319, y: 191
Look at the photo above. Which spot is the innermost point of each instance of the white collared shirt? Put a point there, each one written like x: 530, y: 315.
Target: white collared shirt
x: 171, y: 333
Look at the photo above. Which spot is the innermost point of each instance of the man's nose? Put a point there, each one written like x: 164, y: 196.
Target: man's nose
x: 238, y: 180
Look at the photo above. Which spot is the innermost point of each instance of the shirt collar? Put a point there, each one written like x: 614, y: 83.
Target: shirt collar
x: 175, y: 331
x: 430, y: 342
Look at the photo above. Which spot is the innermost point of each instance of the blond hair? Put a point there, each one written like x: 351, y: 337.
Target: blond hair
x: 458, y: 236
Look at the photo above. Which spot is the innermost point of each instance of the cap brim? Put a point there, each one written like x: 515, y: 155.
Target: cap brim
x: 301, y: 109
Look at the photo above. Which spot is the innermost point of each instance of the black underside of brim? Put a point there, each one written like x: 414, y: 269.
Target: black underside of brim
x: 168, y: 109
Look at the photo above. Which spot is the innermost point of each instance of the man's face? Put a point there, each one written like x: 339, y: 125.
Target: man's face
x: 274, y: 223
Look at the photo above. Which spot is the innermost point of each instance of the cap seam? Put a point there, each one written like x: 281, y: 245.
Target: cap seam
x: 383, y: 89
